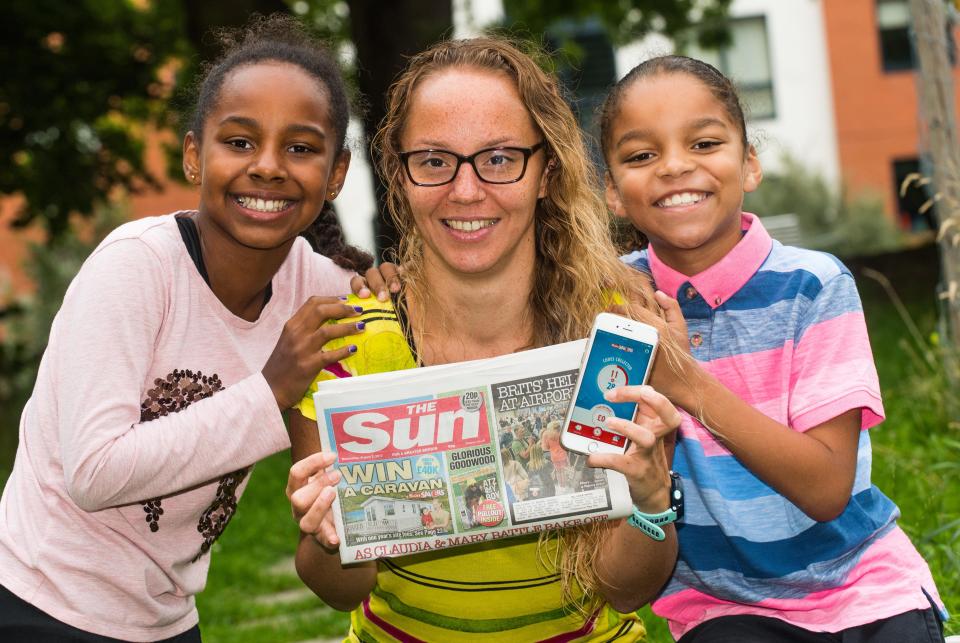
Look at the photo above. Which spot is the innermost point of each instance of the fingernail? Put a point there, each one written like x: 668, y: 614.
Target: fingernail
x: 395, y: 286
x: 360, y: 325
x: 364, y: 293
x: 383, y: 295
x: 342, y: 297
x: 359, y: 309
x: 352, y: 348
x: 327, y: 494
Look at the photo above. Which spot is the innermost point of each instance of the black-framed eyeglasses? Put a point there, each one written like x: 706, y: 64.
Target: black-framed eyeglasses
x: 430, y: 168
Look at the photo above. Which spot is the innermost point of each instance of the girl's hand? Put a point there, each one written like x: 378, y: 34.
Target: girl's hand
x: 299, y: 355
x: 378, y: 280
x: 676, y: 324
x: 311, y: 490
x: 645, y: 462
x: 664, y: 376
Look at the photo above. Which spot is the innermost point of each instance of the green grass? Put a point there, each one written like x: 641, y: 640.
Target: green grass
x: 248, y: 563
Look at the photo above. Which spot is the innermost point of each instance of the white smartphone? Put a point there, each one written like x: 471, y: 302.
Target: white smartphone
x: 619, y: 352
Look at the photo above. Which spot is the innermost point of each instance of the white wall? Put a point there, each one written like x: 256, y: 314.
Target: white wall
x: 355, y: 205
x: 804, y: 124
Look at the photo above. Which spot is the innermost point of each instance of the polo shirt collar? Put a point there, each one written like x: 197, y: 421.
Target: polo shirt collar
x: 723, y: 279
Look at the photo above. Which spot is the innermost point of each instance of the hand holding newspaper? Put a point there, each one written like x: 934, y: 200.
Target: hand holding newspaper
x: 461, y: 453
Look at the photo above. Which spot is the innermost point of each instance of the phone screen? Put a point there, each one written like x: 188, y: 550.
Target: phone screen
x: 614, y: 361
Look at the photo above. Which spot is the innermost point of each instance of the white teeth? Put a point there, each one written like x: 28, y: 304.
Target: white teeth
x: 469, y: 226
x: 682, y: 198
x: 263, y: 205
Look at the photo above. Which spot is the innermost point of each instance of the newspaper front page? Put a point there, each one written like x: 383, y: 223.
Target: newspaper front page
x: 461, y: 453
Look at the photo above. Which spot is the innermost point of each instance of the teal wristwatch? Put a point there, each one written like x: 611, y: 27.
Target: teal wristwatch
x: 650, y: 524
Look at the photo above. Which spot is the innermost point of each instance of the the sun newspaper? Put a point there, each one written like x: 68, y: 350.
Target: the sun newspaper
x: 457, y: 454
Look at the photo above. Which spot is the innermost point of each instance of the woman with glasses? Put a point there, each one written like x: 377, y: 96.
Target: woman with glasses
x: 505, y: 247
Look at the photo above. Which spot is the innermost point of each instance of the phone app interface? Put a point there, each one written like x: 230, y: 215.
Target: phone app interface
x: 614, y: 361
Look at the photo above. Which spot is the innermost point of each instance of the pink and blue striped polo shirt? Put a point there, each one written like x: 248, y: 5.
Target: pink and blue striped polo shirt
x: 782, y: 328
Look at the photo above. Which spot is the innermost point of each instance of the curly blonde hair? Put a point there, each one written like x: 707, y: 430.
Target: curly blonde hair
x: 578, y: 271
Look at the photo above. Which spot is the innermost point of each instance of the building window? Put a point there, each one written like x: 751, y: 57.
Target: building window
x: 896, y: 47
x: 911, y: 201
x: 747, y: 62
x: 893, y: 25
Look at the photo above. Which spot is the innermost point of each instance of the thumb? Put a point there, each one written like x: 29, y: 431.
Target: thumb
x: 670, y: 308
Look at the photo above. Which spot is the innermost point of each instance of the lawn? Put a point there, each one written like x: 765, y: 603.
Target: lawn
x: 916, y: 463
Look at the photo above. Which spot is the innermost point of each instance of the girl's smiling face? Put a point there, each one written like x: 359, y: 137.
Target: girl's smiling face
x: 467, y: 225
x: 678, y: 170
x: 268, y: 157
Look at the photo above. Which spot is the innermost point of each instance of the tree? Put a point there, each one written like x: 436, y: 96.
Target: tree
x: 627, y: 20
x: 937, y: 99
x: 79, y: 80
x: 385, y: 35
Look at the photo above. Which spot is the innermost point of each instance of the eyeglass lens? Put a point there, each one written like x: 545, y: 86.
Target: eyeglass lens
x: 494, y: 166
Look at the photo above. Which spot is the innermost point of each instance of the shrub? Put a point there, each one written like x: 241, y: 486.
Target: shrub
x: 829, y: 218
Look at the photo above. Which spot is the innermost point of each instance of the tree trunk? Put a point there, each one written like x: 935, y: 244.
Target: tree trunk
x: 939, y: 108
x: 385, y: 35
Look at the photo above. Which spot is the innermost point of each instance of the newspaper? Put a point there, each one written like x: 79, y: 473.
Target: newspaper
x: 461, y: 453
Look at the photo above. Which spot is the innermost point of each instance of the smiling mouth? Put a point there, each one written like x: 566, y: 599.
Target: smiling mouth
x: 470, y: 226
x: 263, y: 205
x: 681, y: 198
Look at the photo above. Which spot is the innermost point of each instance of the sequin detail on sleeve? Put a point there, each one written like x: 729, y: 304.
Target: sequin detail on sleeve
x: 217, y: 516
x: 171, y: 394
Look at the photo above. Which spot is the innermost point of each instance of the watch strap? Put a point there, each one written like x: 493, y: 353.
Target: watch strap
x: 650, y: 524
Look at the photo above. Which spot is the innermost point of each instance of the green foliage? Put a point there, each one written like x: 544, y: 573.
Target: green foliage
x: 916, y: 451
x: 830, y: 219
x: 626, y: 20
x: 25, y: 328
x: 79, y: 78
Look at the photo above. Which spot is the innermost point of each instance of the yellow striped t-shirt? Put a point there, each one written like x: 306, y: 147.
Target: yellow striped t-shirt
x: 504, y: 590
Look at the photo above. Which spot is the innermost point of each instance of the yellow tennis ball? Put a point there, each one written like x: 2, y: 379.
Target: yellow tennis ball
x: 381, y: 346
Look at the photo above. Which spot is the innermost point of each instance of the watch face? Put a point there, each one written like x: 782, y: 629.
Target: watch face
x: 676, y: 493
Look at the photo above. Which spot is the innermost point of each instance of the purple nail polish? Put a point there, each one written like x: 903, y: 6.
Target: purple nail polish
x: 361, y: 325
x: 342, y: 297
x: 359, y: 309
x: 352, y: 348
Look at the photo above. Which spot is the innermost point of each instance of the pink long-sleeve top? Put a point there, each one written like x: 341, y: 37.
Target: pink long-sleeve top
x: 148, y: 413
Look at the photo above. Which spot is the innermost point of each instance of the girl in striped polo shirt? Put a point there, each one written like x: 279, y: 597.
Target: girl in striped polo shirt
x: 784, y: 537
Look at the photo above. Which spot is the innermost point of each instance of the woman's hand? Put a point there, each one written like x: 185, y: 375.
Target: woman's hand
x: 382, y: 280
x: 311, y: 490
x: 299, y: 355
x: 645, y: 463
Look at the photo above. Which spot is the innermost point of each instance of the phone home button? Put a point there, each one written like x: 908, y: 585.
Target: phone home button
x: 592, y: 447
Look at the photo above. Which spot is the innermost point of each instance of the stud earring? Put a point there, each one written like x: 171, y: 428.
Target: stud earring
x: 333, y: 195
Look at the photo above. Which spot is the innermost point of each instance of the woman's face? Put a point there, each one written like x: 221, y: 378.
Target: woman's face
x: 470, y: 227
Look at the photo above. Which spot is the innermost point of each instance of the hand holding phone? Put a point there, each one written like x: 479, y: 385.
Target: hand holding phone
x: 619, y: 352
